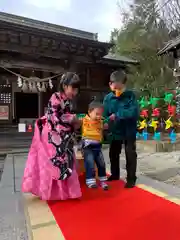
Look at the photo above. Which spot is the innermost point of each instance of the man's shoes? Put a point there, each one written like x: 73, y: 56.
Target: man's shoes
x: 104, y: 186
x: 113, y: 178
x: 130, y: 184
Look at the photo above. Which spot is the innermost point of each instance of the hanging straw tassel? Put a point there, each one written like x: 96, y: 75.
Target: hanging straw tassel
x: 24, y: 86
x: 38, y: 86
x: 43, y: 88
x: 30, y: 86
x: 50, y: 84
x: 34, y: 88
x: 19, y: 82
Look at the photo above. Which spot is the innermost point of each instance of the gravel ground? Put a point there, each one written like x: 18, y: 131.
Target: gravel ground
x: 163, y: 167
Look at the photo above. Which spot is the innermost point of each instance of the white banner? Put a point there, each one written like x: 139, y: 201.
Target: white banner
x: 4, y: 112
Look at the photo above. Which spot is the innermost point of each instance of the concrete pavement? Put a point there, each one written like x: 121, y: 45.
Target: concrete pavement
x: 12, y: 219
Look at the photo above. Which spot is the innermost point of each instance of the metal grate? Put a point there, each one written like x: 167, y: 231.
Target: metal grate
x: 5, y: 93
x: 5, y: 97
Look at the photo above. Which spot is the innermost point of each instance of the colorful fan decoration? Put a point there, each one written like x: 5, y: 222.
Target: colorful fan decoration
x: 153, y: 101
x: 157, y: 119
x: 142, y: 124
x: 157, y: 136
x: 168, y: 97
x: 154, y: 124
x: 143, y: 103
x: 168, y: 123
x: 171, y: 110
x: 156, y: 112
x: 144, y: 113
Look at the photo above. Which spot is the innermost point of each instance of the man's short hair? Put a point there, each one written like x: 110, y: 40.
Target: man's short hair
x: 93, y: 105
x: 118, y: 76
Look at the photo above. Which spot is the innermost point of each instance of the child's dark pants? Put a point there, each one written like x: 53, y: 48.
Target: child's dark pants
x: 93, y: 154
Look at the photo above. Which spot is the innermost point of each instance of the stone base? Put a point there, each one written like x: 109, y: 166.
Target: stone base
x: 161, y: 146
x: 80, y: 160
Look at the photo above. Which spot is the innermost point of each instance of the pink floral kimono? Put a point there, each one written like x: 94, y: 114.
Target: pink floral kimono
x: 50, y: 171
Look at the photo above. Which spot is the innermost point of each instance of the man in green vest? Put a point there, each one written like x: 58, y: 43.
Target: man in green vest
x: 121, y: 110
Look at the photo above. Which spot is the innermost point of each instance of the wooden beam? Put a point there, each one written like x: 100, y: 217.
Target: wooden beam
x: 100, y: 89
x: 32, y: 50
x: 88, y: 78
x: 48, y: 46
x: 31, y: 65
x: 37, y: 52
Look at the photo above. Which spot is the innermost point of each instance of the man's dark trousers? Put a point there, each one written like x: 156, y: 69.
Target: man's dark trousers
x: 131, y: 158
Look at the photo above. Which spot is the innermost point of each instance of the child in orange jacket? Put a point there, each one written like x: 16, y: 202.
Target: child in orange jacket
x: 92, y: 135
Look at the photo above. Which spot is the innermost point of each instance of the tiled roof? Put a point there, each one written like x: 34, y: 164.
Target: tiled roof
x: 119, y: 58
x: 27, y: 22
x: 170, y: 45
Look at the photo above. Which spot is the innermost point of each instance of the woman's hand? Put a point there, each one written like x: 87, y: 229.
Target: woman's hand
x: 77, y: 125
x: 76, y: 122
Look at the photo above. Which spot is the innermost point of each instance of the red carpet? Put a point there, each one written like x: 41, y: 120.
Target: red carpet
x: 117, y: 214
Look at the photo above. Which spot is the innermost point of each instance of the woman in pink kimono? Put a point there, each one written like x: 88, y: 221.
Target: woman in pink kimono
x: 50, y: 171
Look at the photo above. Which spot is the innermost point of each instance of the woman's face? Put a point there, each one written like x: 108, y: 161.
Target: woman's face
x: 70, y: 92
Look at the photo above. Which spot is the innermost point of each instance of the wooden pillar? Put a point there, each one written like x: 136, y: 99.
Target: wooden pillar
x: 88, y: 79
x: 40, y: 104
x: 58, y: 79
x: 73, y: 67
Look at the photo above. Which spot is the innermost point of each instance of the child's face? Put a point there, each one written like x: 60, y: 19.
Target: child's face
x: 96, y: 114
x: 70, y: 92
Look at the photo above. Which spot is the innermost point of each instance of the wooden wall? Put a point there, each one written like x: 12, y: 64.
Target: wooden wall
x: 96, y: 87
x: 99, y: 77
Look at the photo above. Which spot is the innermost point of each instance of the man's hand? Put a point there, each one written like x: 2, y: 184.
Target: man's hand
x: 106, y: 126
x: 112, y: 117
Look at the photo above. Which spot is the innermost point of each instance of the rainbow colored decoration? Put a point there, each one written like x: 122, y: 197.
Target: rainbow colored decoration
x: 157, y: 117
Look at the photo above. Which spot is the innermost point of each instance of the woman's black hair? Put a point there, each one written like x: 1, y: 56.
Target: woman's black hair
x: 69, y: 79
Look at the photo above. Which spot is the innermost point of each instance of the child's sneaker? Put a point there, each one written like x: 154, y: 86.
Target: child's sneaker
x: 92, y: 185
x: 104, y: 185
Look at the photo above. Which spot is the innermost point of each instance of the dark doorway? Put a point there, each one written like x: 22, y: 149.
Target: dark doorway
x: 26, y: 105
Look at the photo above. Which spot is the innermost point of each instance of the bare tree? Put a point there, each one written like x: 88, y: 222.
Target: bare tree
x: 170, y: 11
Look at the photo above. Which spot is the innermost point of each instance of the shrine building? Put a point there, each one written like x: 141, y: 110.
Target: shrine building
x: 34, y: 55
x: 173, y: 47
